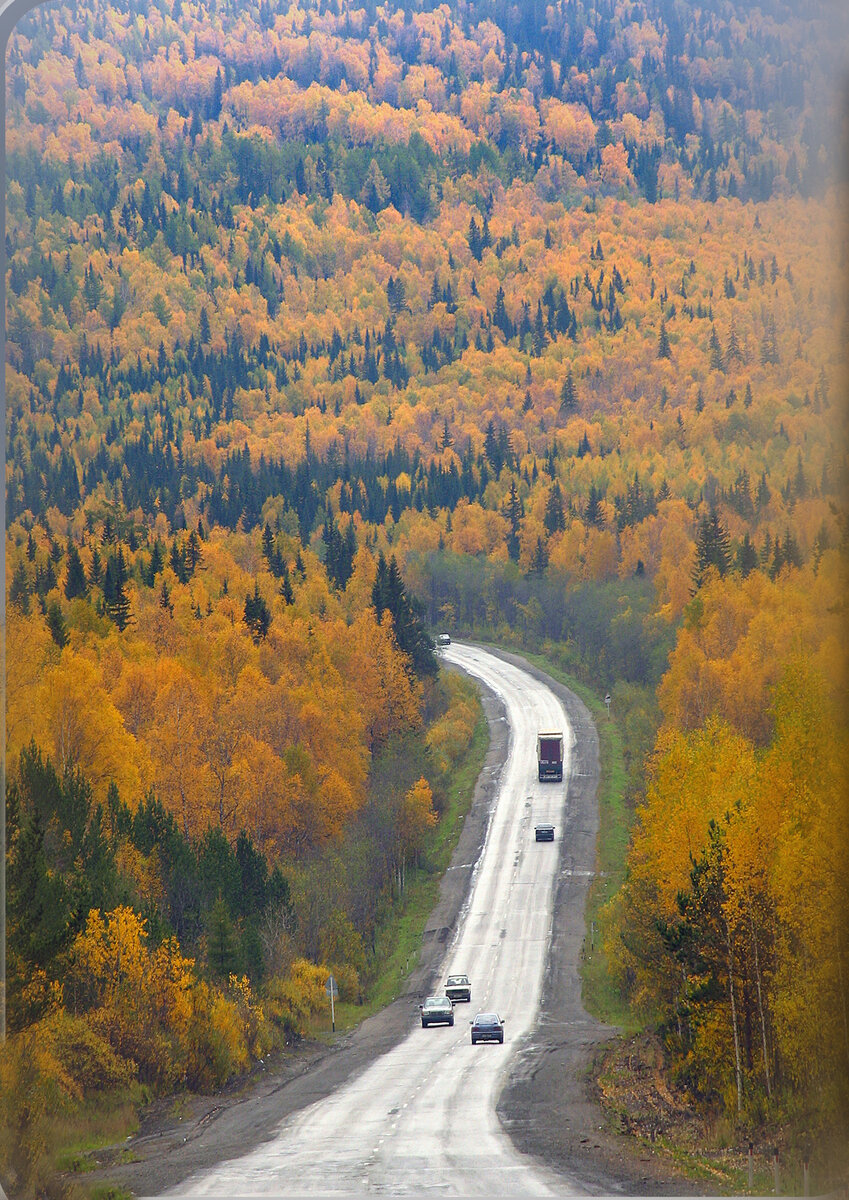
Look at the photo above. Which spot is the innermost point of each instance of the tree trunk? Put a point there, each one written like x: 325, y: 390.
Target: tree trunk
x: 760, y: 1001
x: 737, y: 1067
x: 842, y: 986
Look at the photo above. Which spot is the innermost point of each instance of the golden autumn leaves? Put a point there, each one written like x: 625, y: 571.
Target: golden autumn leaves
x: 730, y: 927
x: 273, y: 738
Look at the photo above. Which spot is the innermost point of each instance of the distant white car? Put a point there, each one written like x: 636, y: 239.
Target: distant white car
x: 443, y: 639
x: 457, y: 987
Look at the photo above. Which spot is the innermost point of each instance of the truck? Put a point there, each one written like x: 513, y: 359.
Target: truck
x: 550, y: 756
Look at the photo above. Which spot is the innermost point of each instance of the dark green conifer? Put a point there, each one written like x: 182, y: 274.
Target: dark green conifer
x: 712, y: 548
x: 664, y: 349
x: 76, y: 583
x: 56, y: 623
x: 257, y: 615
x: 221, y: 943
x: 568, y: 393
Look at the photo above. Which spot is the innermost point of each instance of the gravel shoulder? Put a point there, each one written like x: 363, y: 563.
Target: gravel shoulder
x: 550, y: 1105
x: 547, y: 1106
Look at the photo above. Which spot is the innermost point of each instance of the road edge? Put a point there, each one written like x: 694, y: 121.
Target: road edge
x: 548, y: 1105
x: 545, y: 1107
x: 169, y: 1150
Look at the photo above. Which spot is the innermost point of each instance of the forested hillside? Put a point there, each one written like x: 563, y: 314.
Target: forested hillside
x: 330, y: 324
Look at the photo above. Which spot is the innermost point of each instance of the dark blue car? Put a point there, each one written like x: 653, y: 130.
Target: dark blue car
x: 487, y: 1027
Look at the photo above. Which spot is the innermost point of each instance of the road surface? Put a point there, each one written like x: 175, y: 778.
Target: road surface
x: 422, y: 1118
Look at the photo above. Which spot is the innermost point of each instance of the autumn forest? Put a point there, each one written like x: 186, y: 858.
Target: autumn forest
x: 329, y: 326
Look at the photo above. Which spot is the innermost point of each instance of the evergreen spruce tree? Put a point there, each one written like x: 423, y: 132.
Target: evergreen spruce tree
x: 39, y: 907
x: 539, y: 559
x: 762, y: 497
x: 540, y: 337
x: 747, y: 556
x: 513, y: 516
x: 500, y: 319
x: 475, y: 239
x: 554, y: 519
x: 286, y: 585
x: 257, y: 615
x: 389, y: 595
x: 19, y: 588
x: 568, y: 393
x: 221, y: 945
x: 664, y: 349
x: 157, y: 562
x: 717, y: 359
x: 593, y: 514
x: 95, y: 571
x: 116, y: 603
x: 56, y: 623
x: 194, y: 554
x: 712, y: 548
x: 790, y: 551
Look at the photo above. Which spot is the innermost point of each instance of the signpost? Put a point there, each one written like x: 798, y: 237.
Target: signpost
x: 332, y: 991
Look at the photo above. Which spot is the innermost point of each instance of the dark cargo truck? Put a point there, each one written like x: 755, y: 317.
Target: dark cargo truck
x: 550, y: 756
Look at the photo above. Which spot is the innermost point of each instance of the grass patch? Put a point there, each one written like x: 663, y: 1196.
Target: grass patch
x: 109, y: 1191
x: 400, y: 939
x: 601, y: 996
x: 75, y: 1137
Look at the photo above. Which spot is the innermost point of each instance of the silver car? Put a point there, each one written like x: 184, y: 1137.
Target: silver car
x: 437, y: 1010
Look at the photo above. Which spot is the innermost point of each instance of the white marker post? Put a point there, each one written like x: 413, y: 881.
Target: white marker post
x: 332, y: 991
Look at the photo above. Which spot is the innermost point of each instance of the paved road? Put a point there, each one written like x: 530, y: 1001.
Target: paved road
x: 422, y: 1118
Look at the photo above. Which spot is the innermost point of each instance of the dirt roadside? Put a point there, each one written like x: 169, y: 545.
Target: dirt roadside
x: 547, y: 1106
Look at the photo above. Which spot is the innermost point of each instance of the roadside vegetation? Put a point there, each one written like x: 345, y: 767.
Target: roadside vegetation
x: 400, y: 938
x: 134, y: 1017
x: 655, y: 790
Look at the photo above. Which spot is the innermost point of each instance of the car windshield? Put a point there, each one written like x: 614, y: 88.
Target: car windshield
x: 454, y: 979
x: 486, y: 1019
x: 436, y: 1002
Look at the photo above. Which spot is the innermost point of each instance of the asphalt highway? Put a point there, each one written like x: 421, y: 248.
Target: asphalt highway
x: 421, y: 1119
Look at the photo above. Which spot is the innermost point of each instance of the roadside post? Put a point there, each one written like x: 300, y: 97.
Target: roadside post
x: 332, y: 991
x: 607, y: 702
x: 751, y: 1166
